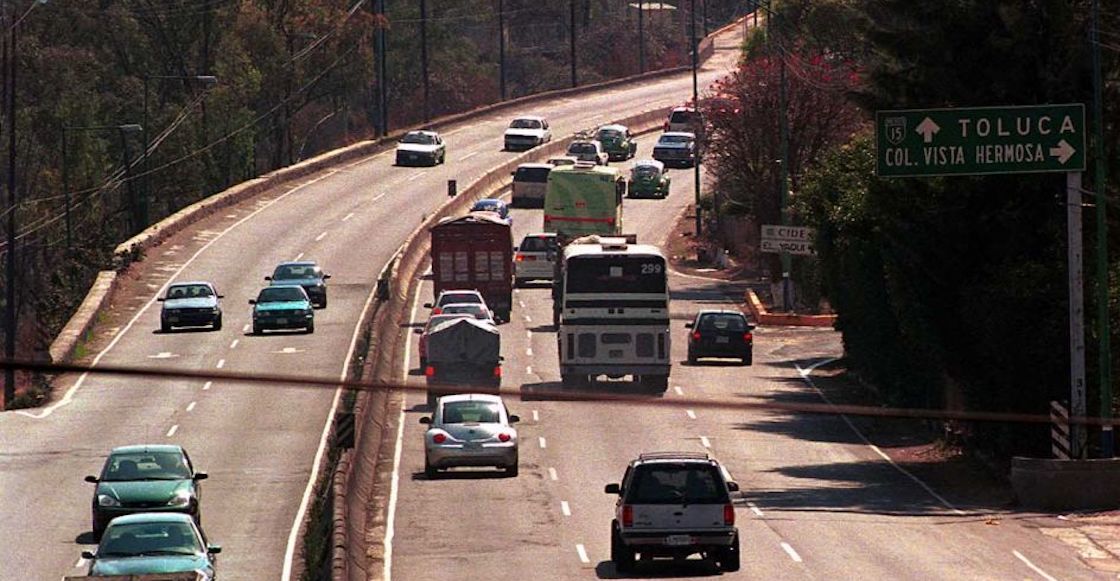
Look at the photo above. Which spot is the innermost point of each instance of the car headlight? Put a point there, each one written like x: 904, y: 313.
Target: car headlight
x: 106, y: 500
x: 181, y: 499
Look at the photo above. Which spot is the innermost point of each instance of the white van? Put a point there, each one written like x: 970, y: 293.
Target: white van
x: 530, y: 182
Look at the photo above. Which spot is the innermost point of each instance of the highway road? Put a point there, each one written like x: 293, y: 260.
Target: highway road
x: 818, y: 501
x: 259, y: 443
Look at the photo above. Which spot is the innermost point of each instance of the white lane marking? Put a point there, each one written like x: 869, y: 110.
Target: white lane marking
x: 529, y: 334
x: 293, y: 534
x: 348, y: 216
x: 754, y: 508
x: 245, y: 329
x: 542, y: 442
x: 582, y: 554
x: 221, y: 363
x: 390, y: 520
x: 377, y: 197
x: 206, y: 386
x: 536, y: 416
x: 1033, y: 567
x: 298, y: 256
x: 678, y: 389
x: 528, y: 319
x: 565, y: 508
x: 806, y: 376
x: 552, y: 474
x: 705, y: 441
x: 233, y: 345
x: 69, y: 396
x: 81, y: 563
x: 468, y: 156
x: 190, y: 406
x: 792, y: 553
x: 321, y: 236
x: 529, y: 351
x: 691, y: 414
x: 528, y: 370
x: 163, y: 355
x: 172, y: 431
x: 415, y: 176
x: 408, y: 344
x: 288, y: 351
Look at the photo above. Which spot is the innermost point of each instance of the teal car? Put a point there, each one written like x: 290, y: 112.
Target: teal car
x: 153, y: 543
x: 155, y: 478
x: 649, y: 178
x: 617, y: 142
x: 282, y: 307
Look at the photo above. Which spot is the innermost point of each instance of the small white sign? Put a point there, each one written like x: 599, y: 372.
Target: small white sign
x: 792, y: 239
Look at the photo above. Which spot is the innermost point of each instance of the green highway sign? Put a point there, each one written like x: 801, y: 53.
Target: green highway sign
x: 983, y: 140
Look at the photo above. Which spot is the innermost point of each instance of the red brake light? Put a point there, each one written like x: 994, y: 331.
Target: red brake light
x: 696, y: 335
x: 498, y: 371
x: 437, y: 310
x: 441, y: 438
x: 504, y: 437
x: 628, y: 515
x: 728, y: 514
x: 430, y: 371
x: 748, y: 337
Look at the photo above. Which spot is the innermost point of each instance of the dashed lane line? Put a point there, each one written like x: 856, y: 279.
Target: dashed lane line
x: 552, y: 475
x: 172, y: 431
x: 565, y: 508
x: 221, y: 363
x: 348, y: 216
x: 678, y: 389
x: 582, y: 552
x: 754, y: 508
x: 536, y: 416
x: 468, y: 156
x: 705, y: 442
x: 691, y: 414
x: 298, y: 256
x: 321, y: 236
x: 528, y: 351
x: 190, y: 406
x: 206, y: 386
x: 542, y: 442
x: 791, y: 552
x: 1033, y: 567
x: 233, y: 345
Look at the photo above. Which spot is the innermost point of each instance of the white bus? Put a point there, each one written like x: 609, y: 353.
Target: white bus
x: 613, y: 315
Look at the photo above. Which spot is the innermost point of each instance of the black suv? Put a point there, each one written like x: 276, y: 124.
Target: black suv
x: 674, y: 504
x: 720, y: 334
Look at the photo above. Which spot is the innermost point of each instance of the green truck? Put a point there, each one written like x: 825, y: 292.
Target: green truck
x: 617, y: 141
x: 584, y: 199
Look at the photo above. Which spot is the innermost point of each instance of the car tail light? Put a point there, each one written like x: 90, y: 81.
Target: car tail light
x: 666, y: 126
x: 441, y: 438
x: 430, y: 371
x: 437, y: 310
x: 628, y: 515
x: 498, y: 371
x: 503, y: 437
x: 518, y: 258
x: 696, y: 335
x: 729, y: 514
x: 748, y: 337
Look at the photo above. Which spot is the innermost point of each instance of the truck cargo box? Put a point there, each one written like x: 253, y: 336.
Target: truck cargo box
x: 463, y: 355
x: 475, y: 252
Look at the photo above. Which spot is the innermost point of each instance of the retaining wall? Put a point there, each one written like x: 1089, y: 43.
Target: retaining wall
x: 1065, y: 485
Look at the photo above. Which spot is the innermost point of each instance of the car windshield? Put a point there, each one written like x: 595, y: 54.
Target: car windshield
x: 537, y: 244
x: 532, y: 174
x: 525, y: 124
x: 470, y: 308
x: 418, y: 138
x: 647, y: 171
x: 667, y: 483
x: 451, y: 298
x: 189, y: 291
x: 721, y: 322
x: 674, y: 139
x: 281, y: 294
x: 160, y: 538
x: 609, y: 134
x: 682, y: 117
x: 122, y: 467
x: 296, y: 272
x: 581, y: 148
x: 465, y: 412
x: 562, y: 161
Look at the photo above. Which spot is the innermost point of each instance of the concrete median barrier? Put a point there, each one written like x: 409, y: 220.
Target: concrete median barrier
x: 1066, y: 485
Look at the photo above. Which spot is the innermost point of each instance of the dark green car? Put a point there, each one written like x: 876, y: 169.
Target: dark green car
x: 649, y: 178
x: 282, y: 307
x: 153, y: 543
x: 617, y: 142
x: 157, y: 478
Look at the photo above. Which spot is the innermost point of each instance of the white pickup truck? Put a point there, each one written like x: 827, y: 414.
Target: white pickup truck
x: 674, y: 504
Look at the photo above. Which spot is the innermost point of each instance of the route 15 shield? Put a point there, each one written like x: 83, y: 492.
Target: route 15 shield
x: 896, y: 129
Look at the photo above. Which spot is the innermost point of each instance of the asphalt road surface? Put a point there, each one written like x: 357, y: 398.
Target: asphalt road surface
x: 818, y: 501
x: 259, y: 443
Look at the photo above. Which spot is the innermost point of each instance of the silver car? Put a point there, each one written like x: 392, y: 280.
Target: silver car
x: 470, y: 429
x: 535, y: 258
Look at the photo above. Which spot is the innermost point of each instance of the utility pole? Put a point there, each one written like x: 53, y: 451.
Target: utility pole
x: 641, y: 37
x: 382, y: 69
x: 572, y: 38
x: 502, y: 49
x: 1104, y: 355
x: 424, y: 57
x: 783, y: 177
x: 10, y: 321
x: 704, y: 9
x: 695, y: 103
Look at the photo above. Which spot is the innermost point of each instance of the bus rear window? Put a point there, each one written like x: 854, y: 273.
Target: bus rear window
x: 532, y: 174
x: 614, y: 274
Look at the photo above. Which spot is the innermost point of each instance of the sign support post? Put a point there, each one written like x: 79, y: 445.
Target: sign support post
x: 1077, y: 435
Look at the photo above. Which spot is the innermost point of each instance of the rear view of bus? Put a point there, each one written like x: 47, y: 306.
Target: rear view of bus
x: 614, y: 314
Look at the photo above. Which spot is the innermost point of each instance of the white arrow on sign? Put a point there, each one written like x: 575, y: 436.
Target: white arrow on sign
x: 927, y: 128
x: 1063, y: 152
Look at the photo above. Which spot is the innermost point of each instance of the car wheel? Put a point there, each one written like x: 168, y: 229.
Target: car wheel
x: 164, y: 327
x: 429, y: 471
x: 516, y: 282
x: 432, y: 401
x: 310, y: 328
x: 691, y: 357
x: 729, y: 557
x: 621, y: 555
x: 257, y: 330
x: 97, y: 530
x: 511, y: 470
x: 748, y: 359
x: 218, y: 323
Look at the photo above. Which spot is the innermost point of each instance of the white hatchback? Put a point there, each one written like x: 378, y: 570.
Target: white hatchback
x: 535, y: 258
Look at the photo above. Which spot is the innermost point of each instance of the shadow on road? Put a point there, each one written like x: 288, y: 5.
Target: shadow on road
x: 555, y: 391
x: 659, y: 569
x: 85, y: 538
x: 464, y: 475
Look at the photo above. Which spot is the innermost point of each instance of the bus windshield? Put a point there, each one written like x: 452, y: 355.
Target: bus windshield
x: 616, y: 274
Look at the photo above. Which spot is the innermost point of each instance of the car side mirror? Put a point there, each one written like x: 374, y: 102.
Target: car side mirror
x: 515, y: 248
x: 252, y: 301
x: 513, y: 419
x: 91, y: 479
x: 733, y: 486
x: 612, y: 488
x: 213, y: 549
x: 427, y: 421
x: 428, y: 305
x: 418, y: 331
x: 88, y: 555
x: 268, y: 278
x: 326, y: 276
x: 512, y: 173
x: 161, y: 299
x: 688, y: 325
x: 201, y: 476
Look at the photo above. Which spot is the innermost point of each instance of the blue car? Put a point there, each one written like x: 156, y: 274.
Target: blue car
x: 305, y: 273
x: 152, y: 543
x: 496, y: 206
x: 190, y: 304
x: 282, y: 307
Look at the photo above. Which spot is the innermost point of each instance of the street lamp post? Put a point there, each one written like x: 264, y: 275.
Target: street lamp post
x: 696, y: 104
x: 207, y: 81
